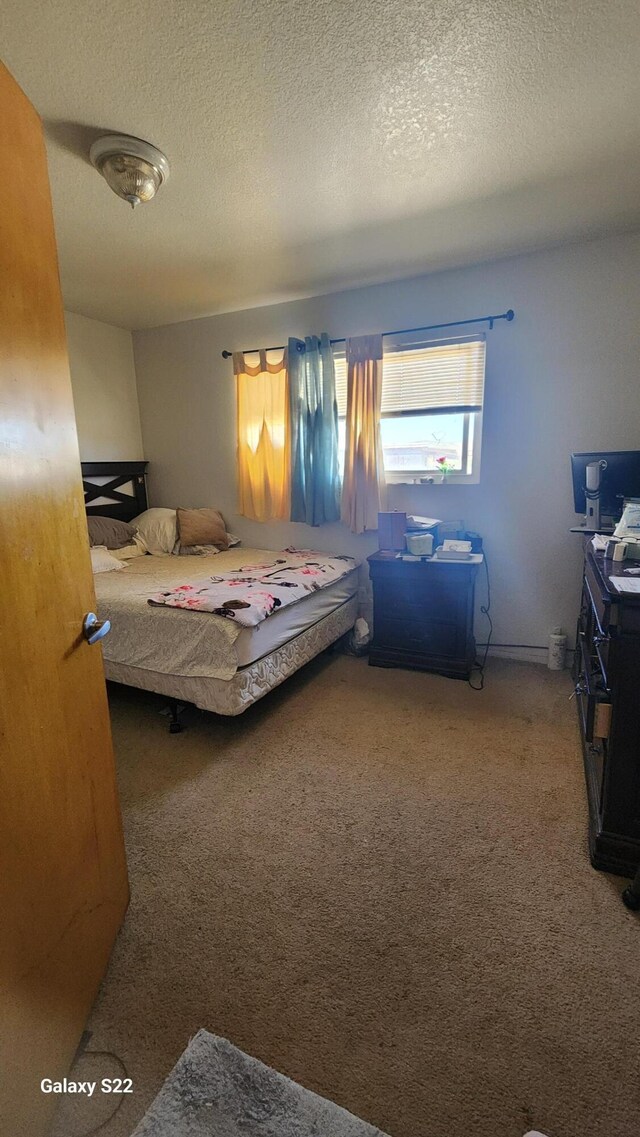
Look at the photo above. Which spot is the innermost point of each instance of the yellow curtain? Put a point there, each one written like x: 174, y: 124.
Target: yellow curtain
x: 363, y: 485
x: 263, y: 437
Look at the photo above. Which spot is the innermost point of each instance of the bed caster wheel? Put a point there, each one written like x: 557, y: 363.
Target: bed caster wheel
x: 631, y: 899
x: 175, y: 728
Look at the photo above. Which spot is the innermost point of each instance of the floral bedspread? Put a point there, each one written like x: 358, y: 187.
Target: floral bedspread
x: 253, y: 592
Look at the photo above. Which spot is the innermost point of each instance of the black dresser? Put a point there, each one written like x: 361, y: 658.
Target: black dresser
x: 423, y: 614
x: 607, y: 678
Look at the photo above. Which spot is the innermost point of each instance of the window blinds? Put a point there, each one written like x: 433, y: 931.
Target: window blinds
x: 435, y: 378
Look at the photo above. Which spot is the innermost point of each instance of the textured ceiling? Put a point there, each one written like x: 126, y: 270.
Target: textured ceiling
x: 316, y: 145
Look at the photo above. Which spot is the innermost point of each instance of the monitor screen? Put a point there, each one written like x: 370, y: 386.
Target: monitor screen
x: 619, y: 478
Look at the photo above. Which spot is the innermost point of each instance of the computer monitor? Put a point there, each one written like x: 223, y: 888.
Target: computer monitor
x: 619, y: 478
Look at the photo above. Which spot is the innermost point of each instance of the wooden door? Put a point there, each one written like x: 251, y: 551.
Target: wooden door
x: 63, y: 879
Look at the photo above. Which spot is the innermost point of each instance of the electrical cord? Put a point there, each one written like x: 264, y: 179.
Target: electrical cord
x: 125, y: 1073
x: 486, y: 610
x: 478, y: 665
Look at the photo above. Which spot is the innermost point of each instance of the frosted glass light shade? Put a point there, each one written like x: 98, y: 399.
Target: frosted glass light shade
x: 133, y: 169
x: 131, y: 178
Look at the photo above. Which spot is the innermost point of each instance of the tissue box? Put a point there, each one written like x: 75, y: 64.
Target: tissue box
x: 420, y: 544
x: 444, y: 554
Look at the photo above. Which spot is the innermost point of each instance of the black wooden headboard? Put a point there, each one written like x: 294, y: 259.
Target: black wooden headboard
x: 115, y: 489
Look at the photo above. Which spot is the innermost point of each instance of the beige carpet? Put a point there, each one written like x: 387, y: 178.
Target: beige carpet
x: 377, y: 883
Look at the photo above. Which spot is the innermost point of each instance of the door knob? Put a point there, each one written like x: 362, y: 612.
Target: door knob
x: 94, y: 629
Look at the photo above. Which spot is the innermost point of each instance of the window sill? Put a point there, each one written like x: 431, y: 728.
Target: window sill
x: 452, y: 480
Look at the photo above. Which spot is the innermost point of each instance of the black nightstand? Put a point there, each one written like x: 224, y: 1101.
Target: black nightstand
x: 423, y: 614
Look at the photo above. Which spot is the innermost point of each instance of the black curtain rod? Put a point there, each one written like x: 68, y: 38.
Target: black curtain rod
x: 490, y: 320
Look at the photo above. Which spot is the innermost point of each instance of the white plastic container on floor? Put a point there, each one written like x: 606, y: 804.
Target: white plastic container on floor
x: 557, y: 650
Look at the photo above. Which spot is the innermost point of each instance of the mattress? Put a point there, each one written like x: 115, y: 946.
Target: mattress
x: 254, y: 643
x: 235, y: 695
x: 197, y: 645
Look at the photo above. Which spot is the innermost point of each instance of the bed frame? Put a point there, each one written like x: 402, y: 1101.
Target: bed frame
x: 119, y: 489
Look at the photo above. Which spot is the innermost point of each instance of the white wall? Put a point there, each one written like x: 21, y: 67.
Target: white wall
x: 103, y: 380
x: 563, y: 376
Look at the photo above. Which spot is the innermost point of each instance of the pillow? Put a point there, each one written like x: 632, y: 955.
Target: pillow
x: 203, y: 550
x: 104, y: 561
x: 158, y: 529
x: 202, y: 527
x: 137, y: 549
x: 110, y: 532
x: 196, y: 550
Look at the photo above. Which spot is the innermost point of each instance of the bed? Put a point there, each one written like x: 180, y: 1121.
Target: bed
x: 198, y: 657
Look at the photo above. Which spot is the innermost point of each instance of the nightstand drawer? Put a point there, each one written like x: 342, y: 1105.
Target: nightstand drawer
x: 410, y: 599
x: 418, y: 588
x: 438, y: 637
x: 396, y: 605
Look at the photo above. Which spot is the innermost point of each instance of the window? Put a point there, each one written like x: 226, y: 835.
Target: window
x: 431, y: 408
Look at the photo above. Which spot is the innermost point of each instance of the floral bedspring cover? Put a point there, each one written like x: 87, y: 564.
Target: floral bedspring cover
x: 250, y: 594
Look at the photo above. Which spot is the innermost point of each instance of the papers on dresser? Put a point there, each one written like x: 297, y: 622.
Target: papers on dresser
x: 625, y: 583
x: 416, y: 522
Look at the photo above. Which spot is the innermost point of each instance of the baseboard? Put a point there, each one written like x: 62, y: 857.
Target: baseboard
x: 523, y: 654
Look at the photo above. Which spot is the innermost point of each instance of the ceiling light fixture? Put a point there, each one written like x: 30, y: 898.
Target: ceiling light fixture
x: 134, y: 169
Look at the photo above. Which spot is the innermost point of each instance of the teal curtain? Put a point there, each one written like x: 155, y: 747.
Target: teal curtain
x: 315, y: 478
